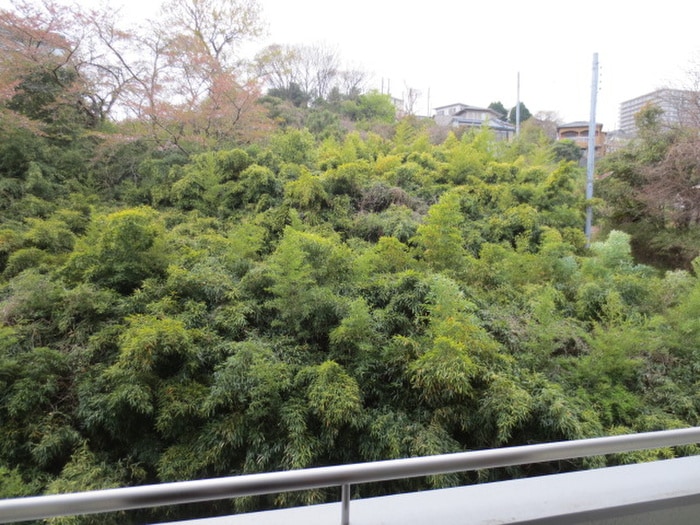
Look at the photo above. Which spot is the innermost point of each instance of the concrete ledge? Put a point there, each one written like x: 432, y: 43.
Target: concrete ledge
x: 642, y: 494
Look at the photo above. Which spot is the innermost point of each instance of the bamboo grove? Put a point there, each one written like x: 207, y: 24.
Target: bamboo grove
x: 306, y: 298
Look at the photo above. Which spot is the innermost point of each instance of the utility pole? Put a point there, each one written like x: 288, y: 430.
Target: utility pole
x: 590, y: 165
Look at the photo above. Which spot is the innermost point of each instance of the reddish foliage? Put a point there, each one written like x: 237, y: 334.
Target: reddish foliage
x: 177, y: 82
x: 671, y: 188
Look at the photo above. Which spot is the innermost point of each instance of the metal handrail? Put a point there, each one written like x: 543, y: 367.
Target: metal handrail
x: 120, y: 499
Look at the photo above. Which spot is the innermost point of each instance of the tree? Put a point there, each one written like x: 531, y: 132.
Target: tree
x: 567, y: 150
x: 651, y: 191
x: 188, y: 86
x: 670, y: 190
x: 201, y: 72
x: 499, y: 108
x: 215, y: 28
x: 524, y: 113
x: 351, y: 82
x: 180, y: 79
x: 324, y: 124
x: 293, y: 93
x: 309, y: 72
x: 410, y: 98
x: 547, y: 121
x: 371, y: 106
x: 44, y: 64
x: 319, y: 68
x: 307, y: 194
x: 440, y: 236
x: 121, y: 250
x: 303, y: 272
x: 276, y: 66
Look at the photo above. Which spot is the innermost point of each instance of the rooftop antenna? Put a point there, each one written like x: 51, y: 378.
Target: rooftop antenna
x: 590, y: 165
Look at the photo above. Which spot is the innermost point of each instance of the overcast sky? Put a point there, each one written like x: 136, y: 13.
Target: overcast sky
x: 472, y: 51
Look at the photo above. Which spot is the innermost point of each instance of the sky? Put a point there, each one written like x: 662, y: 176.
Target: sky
x: 473, y: 52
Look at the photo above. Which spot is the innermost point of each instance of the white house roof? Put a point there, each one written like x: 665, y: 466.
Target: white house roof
x: 452, y: 105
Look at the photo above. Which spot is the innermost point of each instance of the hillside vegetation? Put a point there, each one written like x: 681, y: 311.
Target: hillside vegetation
x: 300, y: 304
x: 303, y: 298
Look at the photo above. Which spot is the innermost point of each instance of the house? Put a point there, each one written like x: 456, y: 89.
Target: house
x: 399, y: 106
x: 463, y: 115
x: 578, y: 132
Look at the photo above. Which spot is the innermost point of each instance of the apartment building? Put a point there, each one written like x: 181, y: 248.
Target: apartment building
x: 680, y: 108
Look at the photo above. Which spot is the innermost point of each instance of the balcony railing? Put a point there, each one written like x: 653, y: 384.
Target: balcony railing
x: 344, y: 476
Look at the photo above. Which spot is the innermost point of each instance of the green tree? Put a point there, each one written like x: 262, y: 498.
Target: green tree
x: 304, y: 272
x: 524, y: 113
x: 293, y: 93
x: 334, y: 397
x: 499, y: 108
x: 372, y: 106
x: 121, y: 250
x: 440, y: 236
x: 293, y: 146
x: 567, y: 150
x: 307, y: 194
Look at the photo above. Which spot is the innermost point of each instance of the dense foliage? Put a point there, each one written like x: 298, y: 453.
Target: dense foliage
x: 651, y: 190
x: 380, y: 291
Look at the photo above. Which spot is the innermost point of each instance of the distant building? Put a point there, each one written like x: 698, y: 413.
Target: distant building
x: 616, y: 140
x: 462, y: 115
x: 578, y: 132
x: 680, y: 108
x: 398, y: 106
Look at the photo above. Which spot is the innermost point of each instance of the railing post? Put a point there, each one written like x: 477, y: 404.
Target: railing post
x: 345, y: 505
